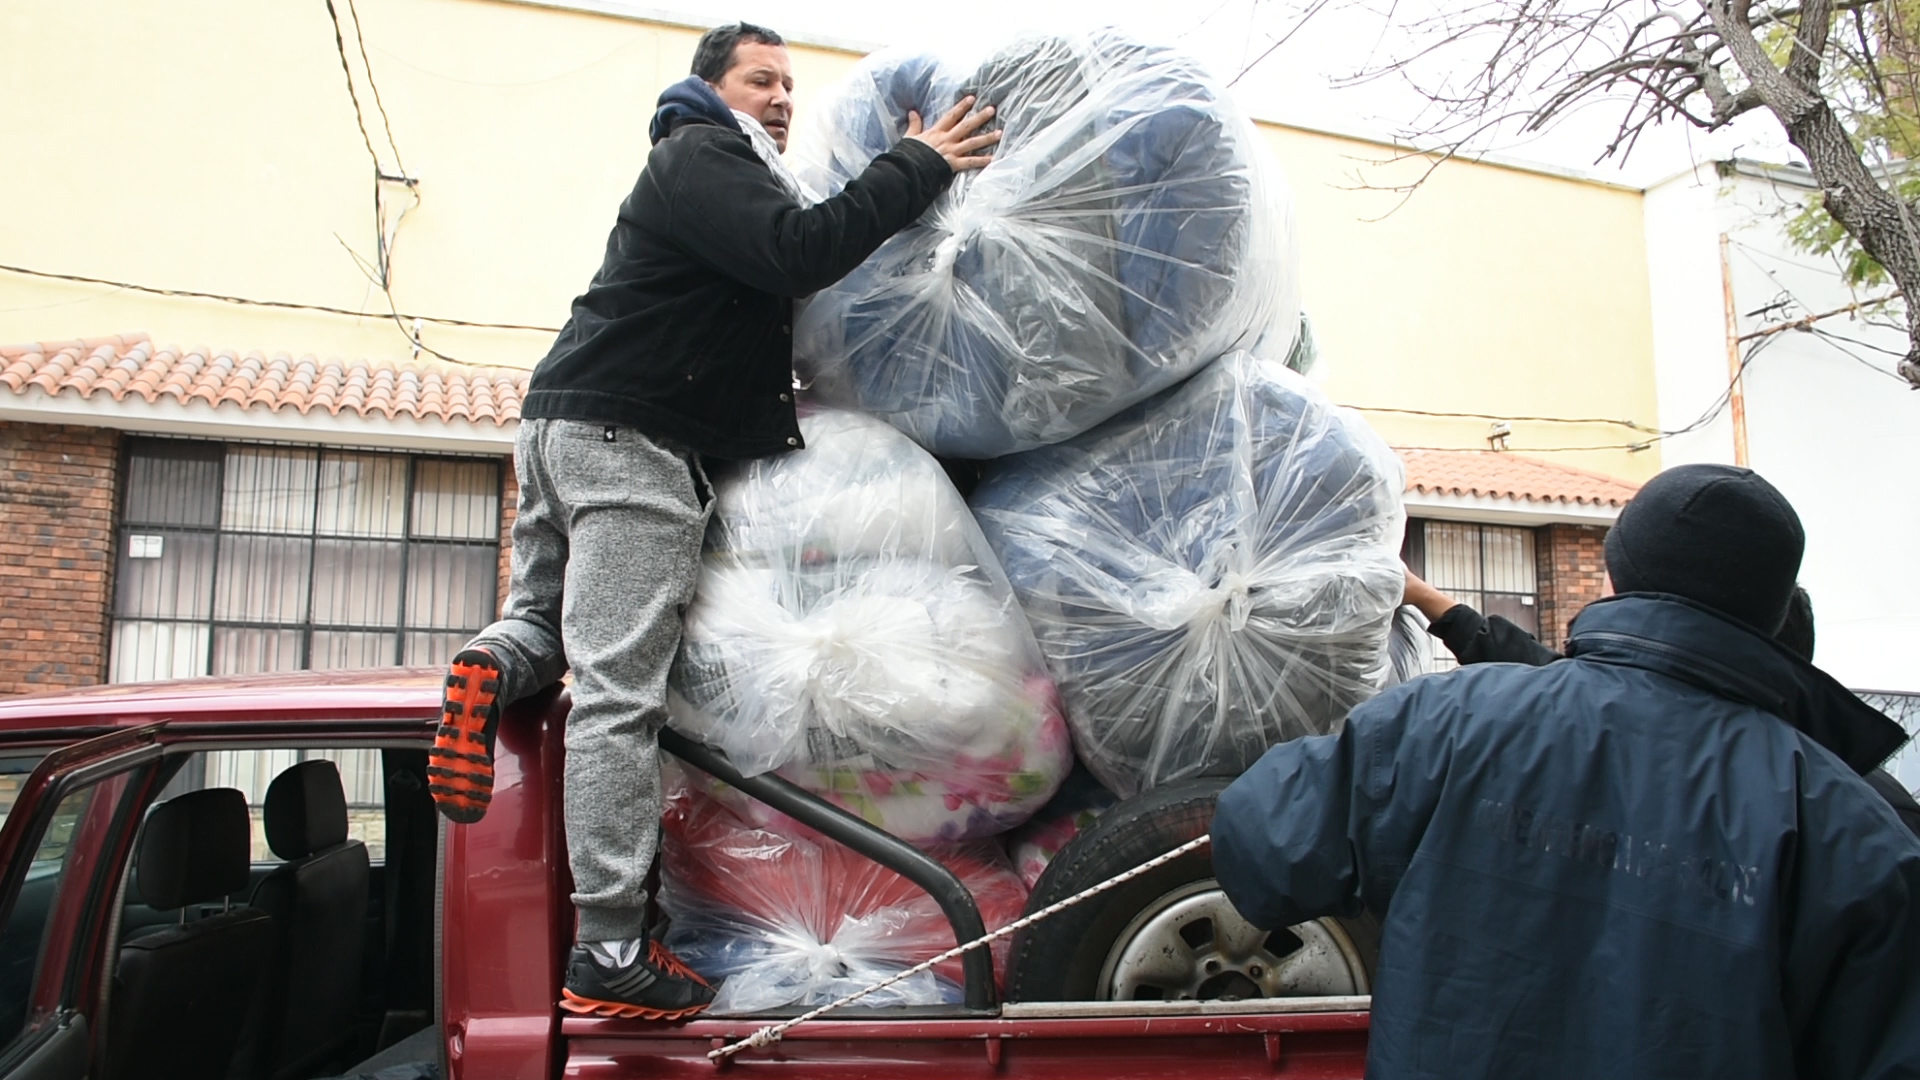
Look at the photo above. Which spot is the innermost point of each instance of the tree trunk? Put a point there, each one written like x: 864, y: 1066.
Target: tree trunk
x: 1870, y: 213
x: 1873, y: 215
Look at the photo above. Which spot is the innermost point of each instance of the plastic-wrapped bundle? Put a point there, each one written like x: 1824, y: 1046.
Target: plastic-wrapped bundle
x: 1081, y: 799
x: 1410, y: 652
x: 788, y: 917
x: 1130, y: 229
x: 1213, y: 572
x: 853, y: 630
x: 1032, y: 846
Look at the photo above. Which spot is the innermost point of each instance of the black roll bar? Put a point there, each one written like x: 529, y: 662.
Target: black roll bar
x: 866, y: 839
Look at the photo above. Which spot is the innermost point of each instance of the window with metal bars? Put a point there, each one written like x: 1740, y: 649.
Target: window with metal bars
x: 240, y: 558
x: 236, y: 559
x: 1904, y: 707
x: 1487, y: 567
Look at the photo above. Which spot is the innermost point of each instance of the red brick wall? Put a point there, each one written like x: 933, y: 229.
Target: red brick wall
x: 1573, y: 573
x: 57, y: 507
x: 509, y: 510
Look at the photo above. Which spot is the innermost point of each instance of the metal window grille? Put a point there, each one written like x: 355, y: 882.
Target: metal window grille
x: 238, y: 559
x: 1904, y: 765
x: 1489, y: 567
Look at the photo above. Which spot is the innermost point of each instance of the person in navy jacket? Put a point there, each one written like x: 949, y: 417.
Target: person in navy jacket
x: 1655, y: 858
x: 1474, y: 638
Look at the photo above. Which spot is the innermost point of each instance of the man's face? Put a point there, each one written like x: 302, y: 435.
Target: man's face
x: 760, y: 84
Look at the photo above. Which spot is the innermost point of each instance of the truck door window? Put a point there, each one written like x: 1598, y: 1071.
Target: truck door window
x: 21, y: 940
x: 13, y: 771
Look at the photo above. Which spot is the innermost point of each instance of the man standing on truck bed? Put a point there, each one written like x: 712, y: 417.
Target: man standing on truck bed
x: 1631, y: 862
x: 681, y: 347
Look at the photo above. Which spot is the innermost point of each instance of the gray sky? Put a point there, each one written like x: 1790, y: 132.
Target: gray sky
x: 1293, y: 83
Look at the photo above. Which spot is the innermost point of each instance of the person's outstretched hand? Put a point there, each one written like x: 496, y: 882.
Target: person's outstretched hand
x: 1430, y: 601
x: 954, y: 135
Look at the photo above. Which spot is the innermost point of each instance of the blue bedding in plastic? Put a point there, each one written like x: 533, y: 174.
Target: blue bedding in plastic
x: 1208, y: 574
x: 1130, y: 229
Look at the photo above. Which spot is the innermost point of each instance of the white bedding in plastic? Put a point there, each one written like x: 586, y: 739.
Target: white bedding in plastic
x: 853, y: 631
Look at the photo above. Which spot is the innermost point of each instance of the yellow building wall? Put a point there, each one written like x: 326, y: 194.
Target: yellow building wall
x: 210, y: 145
x: 1490, y: 290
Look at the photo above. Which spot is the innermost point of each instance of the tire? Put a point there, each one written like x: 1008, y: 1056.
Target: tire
x: 1094, y: 950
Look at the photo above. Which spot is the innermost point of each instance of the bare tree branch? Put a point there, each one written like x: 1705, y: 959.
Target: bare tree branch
x: 1487, y: 67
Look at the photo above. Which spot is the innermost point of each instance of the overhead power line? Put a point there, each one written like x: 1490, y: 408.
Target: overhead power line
x: 383, y: 264
x: 372, y: 85
x: 250, y: 302
x: 1584, y: 420
x: 358, y: 117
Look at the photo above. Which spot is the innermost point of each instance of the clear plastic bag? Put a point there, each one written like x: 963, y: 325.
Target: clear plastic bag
x: 787, y: 917
x: 853, y: 631
x: 1213, y: 572
x: 1410, y: 648
x: 1078, y: 803
x: 1131, y: 228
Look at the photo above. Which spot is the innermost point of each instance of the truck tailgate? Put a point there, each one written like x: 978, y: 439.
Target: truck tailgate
x: 1327, y: 1039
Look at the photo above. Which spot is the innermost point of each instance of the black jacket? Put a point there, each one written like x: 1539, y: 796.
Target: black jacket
x: 1631, y: 863
x: 1474, y: 638
x: 687, y: 330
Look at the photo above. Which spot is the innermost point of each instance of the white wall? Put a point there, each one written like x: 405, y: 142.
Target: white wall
x: 1835, y: 436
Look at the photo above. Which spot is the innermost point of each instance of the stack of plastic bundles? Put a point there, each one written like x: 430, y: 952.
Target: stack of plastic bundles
x: 1213, y: 572
x: 853, y: 632
x: 1129, y: 231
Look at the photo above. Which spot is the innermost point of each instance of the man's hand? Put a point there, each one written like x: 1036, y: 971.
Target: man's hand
x: 954, y: 135
x: 1430, y: 601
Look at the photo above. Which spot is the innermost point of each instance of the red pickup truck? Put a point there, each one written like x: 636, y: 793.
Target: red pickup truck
x: 136, y: 940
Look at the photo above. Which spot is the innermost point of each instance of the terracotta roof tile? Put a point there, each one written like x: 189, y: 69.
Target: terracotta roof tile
x: 130, y: 364
x: 1501, y: 475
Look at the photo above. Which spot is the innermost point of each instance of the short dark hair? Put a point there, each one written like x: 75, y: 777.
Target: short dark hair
x: 713, y: 57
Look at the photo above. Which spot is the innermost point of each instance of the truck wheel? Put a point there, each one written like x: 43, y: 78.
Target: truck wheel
x: 1171, y: 935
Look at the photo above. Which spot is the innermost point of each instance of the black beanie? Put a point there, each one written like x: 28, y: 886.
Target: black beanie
x: 1715, y: 534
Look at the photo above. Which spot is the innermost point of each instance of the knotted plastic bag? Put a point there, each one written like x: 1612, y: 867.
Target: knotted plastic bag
x: 1130, y: 229
x: 1213, y: 572
x: 788, y: 917
x: 852, y: 630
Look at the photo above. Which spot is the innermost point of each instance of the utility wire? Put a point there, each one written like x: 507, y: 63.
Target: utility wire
x: 380, y: 174
x: 1834, y: 340
x: 1836, y: 336
x: 1808, y: 324
x: 359, y: 119
x: 1712, y: 413
x: 1516, y: 419
x: 223, y: 298
x: 371, y: 85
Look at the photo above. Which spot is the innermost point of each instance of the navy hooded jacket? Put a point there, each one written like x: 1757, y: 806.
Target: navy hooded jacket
x: 1474, y: 638
x: 1628, y: 864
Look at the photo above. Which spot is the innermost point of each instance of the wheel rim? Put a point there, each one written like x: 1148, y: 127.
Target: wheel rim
x: 1191, y: 945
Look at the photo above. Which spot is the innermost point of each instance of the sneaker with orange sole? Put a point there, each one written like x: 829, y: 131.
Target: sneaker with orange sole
x: 460, y: 765
x: 657, y: 985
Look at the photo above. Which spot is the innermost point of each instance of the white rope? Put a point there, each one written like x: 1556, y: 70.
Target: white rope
x: 771, y: 1034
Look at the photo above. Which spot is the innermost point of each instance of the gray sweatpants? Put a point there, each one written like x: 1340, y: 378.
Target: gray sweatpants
x: 606, y: 551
